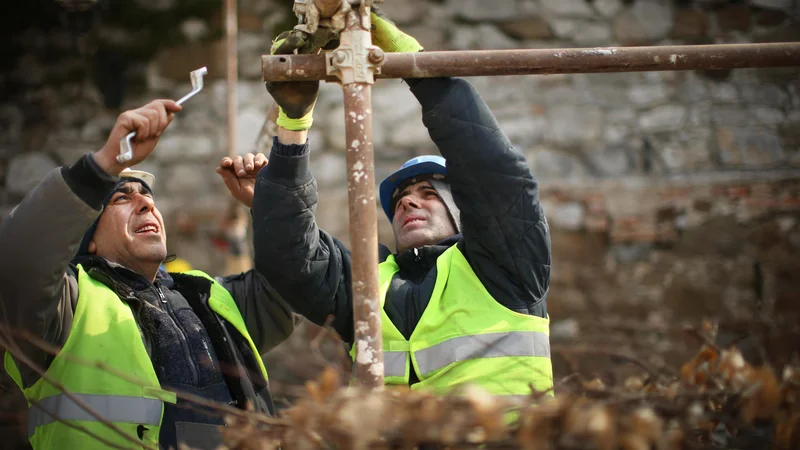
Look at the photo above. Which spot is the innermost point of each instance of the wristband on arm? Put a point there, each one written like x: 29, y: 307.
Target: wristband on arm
x: 301, y: 124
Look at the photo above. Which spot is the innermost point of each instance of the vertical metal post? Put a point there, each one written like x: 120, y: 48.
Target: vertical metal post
x: 231, y: 31
x: 353, y: 62
x: 363, y: 234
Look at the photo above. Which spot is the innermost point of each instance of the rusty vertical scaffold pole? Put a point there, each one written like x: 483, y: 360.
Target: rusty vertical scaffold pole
x: 231, y: 31
x: 354, y: 63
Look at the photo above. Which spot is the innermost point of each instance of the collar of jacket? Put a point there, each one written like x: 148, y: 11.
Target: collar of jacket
x: 243, y: 377
x: 119, y: 278
x: 416, y: 262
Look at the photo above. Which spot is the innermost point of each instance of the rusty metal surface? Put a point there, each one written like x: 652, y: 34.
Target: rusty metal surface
x: 231, y: 32
x: 363, y: 226
x: 355, y: 60
x: 549, y: 61
x: 327, y: 8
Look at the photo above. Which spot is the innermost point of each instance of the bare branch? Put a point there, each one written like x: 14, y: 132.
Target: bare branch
x: 653, y: 372
x: 218, y: 406
x: 23, y: 358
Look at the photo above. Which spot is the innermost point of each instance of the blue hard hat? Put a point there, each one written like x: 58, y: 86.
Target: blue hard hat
x: 421, y: 165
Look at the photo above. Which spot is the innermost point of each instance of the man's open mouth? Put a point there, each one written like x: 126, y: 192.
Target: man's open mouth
x: 410, y: 219
x: 148, y: 228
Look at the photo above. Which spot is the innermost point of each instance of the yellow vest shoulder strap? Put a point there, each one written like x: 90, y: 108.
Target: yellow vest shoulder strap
x: 221, y: 302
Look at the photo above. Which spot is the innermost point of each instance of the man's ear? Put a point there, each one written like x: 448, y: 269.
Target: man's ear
x: 92, y: 248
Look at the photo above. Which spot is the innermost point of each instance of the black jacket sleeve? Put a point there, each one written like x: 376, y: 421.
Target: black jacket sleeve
x: 38, y: 239
x: 506, y: 237
x: 308, y: 268
x: 268, y: 319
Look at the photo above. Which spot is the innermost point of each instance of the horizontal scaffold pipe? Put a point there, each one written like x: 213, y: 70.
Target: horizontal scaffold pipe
x: 548, y: 61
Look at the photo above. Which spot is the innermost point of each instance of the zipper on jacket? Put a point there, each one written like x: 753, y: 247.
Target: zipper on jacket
x: 184, y: 341
x: 416, y: 255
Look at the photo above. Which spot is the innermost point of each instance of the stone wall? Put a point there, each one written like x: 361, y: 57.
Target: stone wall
x: 637, y: 159
x: 669, y: 194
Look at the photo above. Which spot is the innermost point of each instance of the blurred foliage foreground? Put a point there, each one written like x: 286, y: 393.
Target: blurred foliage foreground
x: 716, y: 399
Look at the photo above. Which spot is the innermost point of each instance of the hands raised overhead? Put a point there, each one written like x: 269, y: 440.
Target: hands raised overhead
x: 239, y: 174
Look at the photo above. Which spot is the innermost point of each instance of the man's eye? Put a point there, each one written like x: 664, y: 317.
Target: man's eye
x: 121, y: 198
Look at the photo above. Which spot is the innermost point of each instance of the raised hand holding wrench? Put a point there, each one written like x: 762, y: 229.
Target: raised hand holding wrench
x: 125, y: 148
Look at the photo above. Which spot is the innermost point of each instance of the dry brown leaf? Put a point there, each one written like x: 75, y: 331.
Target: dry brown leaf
x: 764, y: 402
x: 787, y: 431
x: 634, y: 383
x: 594, y: 385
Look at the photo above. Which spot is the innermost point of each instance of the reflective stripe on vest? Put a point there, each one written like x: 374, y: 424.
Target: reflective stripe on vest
x: 104, y: 329
x: 492, y: 345
x: 464, y: 348
x: 465, y: 336
x: 394, y: 364
x: 112, y: 408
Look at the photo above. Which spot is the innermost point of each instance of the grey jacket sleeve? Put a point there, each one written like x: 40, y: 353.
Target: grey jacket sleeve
x: 506, y: 237
x: 306, y: 266
x: 268, y: 318
x: 38, y: 239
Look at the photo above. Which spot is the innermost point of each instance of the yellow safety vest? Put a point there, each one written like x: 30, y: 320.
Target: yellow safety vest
x: 465, y: 337
x: 105, y: 334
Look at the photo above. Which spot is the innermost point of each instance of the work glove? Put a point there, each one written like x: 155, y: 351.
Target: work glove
x: 388, y: 37
x: 295, y: 99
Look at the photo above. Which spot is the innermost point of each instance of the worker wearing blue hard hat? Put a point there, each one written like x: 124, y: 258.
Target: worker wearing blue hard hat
x: 431, y: 167
x: 464, y: 290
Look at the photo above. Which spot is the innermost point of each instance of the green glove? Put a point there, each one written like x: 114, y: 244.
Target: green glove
x: 388, y: 37
x: 295, y: 99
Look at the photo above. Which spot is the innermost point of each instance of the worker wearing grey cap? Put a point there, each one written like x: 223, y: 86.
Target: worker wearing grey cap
x: 81, y: 270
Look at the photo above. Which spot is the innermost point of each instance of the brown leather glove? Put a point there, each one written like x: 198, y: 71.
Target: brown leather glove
x: 296, y: 99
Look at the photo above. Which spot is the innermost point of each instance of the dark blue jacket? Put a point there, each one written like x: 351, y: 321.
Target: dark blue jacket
x: 505, y: 235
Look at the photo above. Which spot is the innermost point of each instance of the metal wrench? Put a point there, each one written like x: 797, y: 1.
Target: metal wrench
x: 125, y: 148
